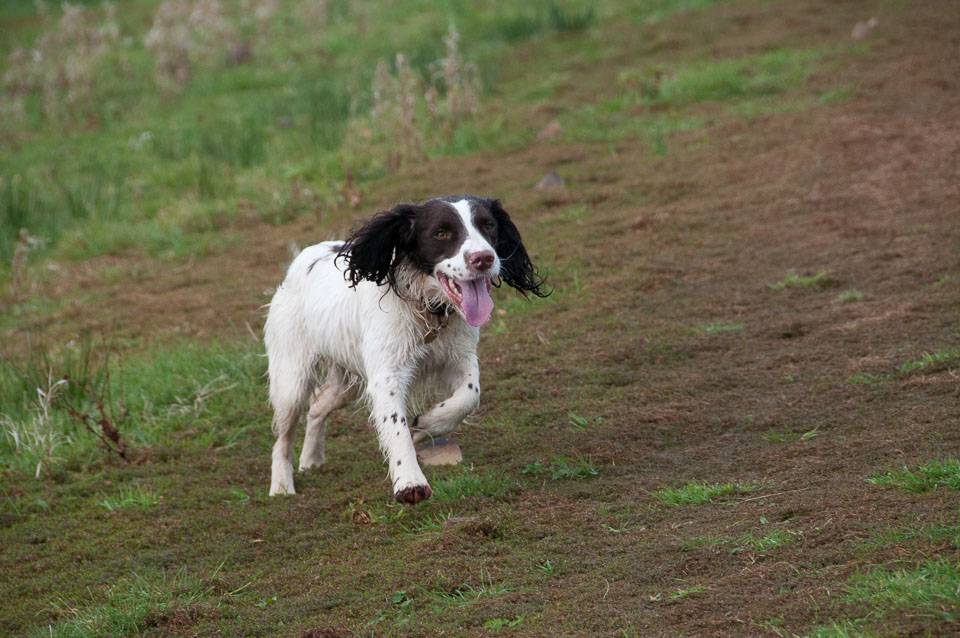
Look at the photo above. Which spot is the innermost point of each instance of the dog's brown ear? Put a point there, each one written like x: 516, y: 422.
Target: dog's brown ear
x: 515, y: 266
x: 374, y: 249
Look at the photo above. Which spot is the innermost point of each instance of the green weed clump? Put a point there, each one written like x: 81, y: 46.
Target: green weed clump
x: 794, y: 280
x: 562, y: 468
x: 698, y: 493
x: 930, y: 360
x: 130, y: 606
x: 925, y: 478
x: 929, y: 589
x: 467, y: 485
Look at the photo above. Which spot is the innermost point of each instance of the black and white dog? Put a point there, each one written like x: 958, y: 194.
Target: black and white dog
x: 394, y: 309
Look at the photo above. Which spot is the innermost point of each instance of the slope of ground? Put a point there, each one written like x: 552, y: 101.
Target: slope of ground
x: 754, y: 314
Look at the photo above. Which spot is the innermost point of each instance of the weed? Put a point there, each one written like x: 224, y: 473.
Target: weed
x: 698, y: 493
x: 431, y: 523
x: 570, y: 18
x: 129, y: 497
x: 562, y: 468
x: 680, y: 594
x: 865, y: 378
x: 934, y: 533
x: 398, y: 608
x: 746, y: 543
x: 129, y: 605
x: 785, y: 435
x: 547, y: 568
x: 582, y: 423
x: 37, y: 438
x: 466, y: 594
x: 925, y: 478
x: 930, y: 588
x: 930, y: 360
x: 496, y: 624
x: 466, y: 485
x: 794, y: 280
x: 850, y: 295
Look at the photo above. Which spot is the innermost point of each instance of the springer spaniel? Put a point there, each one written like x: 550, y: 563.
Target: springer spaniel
x: 394, y: 309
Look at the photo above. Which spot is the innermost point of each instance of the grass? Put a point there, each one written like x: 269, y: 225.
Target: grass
x: 563, y: 468
x: 157, y: 173
x: 698, y: 493
x: 132, y: 605
x: 927, y: 534
x: 930, y: 360
x: 794, y: 280
x: 755, y: 544
x: 925, y: 478
x: 766, y: 74
x: 140, y: 496
x: 851, y: 295
x: 466, y: 485
x: 929, y: 589
x: 465, y: 595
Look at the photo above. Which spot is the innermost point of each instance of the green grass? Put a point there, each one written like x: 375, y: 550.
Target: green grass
x: 563, y: 468
x: 699, y: 493
x: 848, y: 296
x: 929, y: 589
x: 925, y: 533
x: 132, y: 605
x: 865, y: 378
x: 766, y: 74
x: 930, y: 360
x: 755, y: 544
x: 794, y: 280
x: 140, y: 496
x: 467, y: 485
x: 466, y: 594
x: 153, y: 398
x: 925, y: 478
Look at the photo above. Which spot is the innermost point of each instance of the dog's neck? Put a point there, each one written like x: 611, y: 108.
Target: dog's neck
x: 433, y: 309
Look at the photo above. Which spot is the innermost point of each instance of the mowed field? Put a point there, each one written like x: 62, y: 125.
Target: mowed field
x: 738, y: 414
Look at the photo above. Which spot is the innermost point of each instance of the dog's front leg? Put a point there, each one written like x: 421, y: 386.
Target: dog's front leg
x: 462, y: 379
x: 388, y: 415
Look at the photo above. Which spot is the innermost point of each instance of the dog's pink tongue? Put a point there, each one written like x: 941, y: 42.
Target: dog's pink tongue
x: 477, y: 304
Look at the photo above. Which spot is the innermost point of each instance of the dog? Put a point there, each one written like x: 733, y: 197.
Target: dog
x: 393, y: 310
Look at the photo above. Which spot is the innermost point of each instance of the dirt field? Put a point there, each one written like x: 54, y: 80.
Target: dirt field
x: 668, y: 339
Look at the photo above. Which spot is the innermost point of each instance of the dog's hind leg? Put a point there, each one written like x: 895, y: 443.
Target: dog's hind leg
x: 292, y: 372
x: 336, y: 392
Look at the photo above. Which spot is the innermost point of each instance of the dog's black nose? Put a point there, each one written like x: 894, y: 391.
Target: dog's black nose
x: 482, y: 260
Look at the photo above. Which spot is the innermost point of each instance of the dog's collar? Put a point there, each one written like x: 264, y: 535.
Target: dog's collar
x: 436, y: 320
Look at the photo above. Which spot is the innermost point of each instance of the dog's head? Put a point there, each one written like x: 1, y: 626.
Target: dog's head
x: 460, y: 245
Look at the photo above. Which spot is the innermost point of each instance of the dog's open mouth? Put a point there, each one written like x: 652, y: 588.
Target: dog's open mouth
x: 471, y: 297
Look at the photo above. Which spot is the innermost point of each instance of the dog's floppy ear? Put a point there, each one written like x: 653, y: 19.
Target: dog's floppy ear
x: 515, y: 266
x: 375, y: 249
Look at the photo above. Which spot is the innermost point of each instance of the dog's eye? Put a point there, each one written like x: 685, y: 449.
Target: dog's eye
x: 490, y: 226
x: 442, y: 234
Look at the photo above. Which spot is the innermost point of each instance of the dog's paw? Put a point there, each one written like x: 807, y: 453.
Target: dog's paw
x: 282, y: 488
x: 413, y: 494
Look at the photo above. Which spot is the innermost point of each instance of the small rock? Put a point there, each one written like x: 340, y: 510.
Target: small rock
x: 862, y: 29
x: 550, y: 131
x: 440, y: 452
x: 549, y: 182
